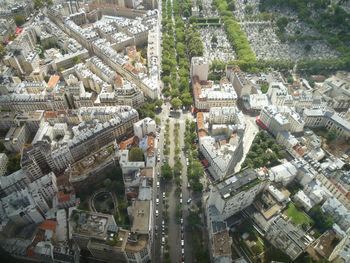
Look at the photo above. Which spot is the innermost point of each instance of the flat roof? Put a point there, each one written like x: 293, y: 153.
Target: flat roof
x: 141, y: 216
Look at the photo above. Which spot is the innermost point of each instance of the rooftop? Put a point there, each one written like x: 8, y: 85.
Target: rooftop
x: 142, y: 213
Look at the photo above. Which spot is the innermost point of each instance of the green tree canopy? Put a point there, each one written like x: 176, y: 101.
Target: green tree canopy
x: 167, y: 172
x: 19, y: 20
x: 176, y: 103
x: 135, y: 155
x: 331, y: 135
x: 158, y: 103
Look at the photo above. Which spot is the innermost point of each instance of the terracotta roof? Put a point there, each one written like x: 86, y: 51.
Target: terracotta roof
x: 61, y: 112
x: 300, y: 150
x: 124, y: 145
x: 119, y: 80
x: 62, y: 197
x: 53, y: 81
x: 48, y: 225
x: 30, y: 253
x: 128, y: 67
x: 196, y: 87
x: 50, y: 114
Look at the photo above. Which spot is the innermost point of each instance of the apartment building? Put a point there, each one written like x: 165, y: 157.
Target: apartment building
x: 16, y: 137
x: 106, y: 241
x: 199, y: 68
x: 13, y: 183
x: 207, y: 94
x: 144, y: 127
x: 236, y: 192
x: 315, y: 118
x: 36, y: 160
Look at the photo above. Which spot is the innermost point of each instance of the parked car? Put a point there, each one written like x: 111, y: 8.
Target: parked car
x: 189, y: 200
x: 157, y: 213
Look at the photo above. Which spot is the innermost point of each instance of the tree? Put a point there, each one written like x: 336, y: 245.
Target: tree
x: 3, y: 50
x: 186, y: 99
x: 47, y: 78
x: 231, y: 6
x: 167, y: 172
x: 282, y: 23
x: 19, y: 20
x: 76, y: 60
x: 107, y: 182
x: 175, y: 93
x: 135, y: 155
x: 214, y: 39
x: 176, y: 103
x: 193, y: 219
x: 38, y: 4
x: 157, y: 120
x: 331, y: 135
x: 158, y: 103
x: 197, y: 186
x: 322, y: 221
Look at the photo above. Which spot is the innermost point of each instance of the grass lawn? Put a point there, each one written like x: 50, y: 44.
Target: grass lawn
x: 297, y: 217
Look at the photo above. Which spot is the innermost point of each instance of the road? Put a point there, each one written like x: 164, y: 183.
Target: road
x: 173, y: 234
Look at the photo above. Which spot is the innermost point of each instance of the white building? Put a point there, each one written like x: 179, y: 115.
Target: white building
x: 144, y: 127
x: 200, y: 68
x: 236, y: 192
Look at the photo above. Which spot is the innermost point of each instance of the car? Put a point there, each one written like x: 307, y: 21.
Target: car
x: 163, y: 195
x: 189, y: 200
x: 163, y: 222
x: 158, y: 184
x: 182, y: 243
x: 188, y: 185
x: 181, y: 195
x: 157, y: 201
x: 163, y: 240
x: 182, y: 228
x: 180, y: 200
x: 157, y: 213
x: 182, y: 235
x: 164, y: 160
x: 182, y: 220
x: 180, y: 187
x: 183, y: 251
x: 158, y: 174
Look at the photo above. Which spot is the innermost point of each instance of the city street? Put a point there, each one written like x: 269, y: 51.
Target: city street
x: 173, y: 235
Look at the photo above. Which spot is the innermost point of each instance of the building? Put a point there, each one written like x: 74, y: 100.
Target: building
x: 243, y: 86
x: 236, y: 192
x: 336, y: 92
x: 144, y: 127
x: 3, y: 164
x: 106, y: 241
x: 13, y: 183
x: 288, y: 238
x: 36, y: 160
x: 315, y: 118
x: 16, y: 137
x: 338, y: 212
x: 199, y: 68
x: 219, y: 240
x: 207, y: 95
